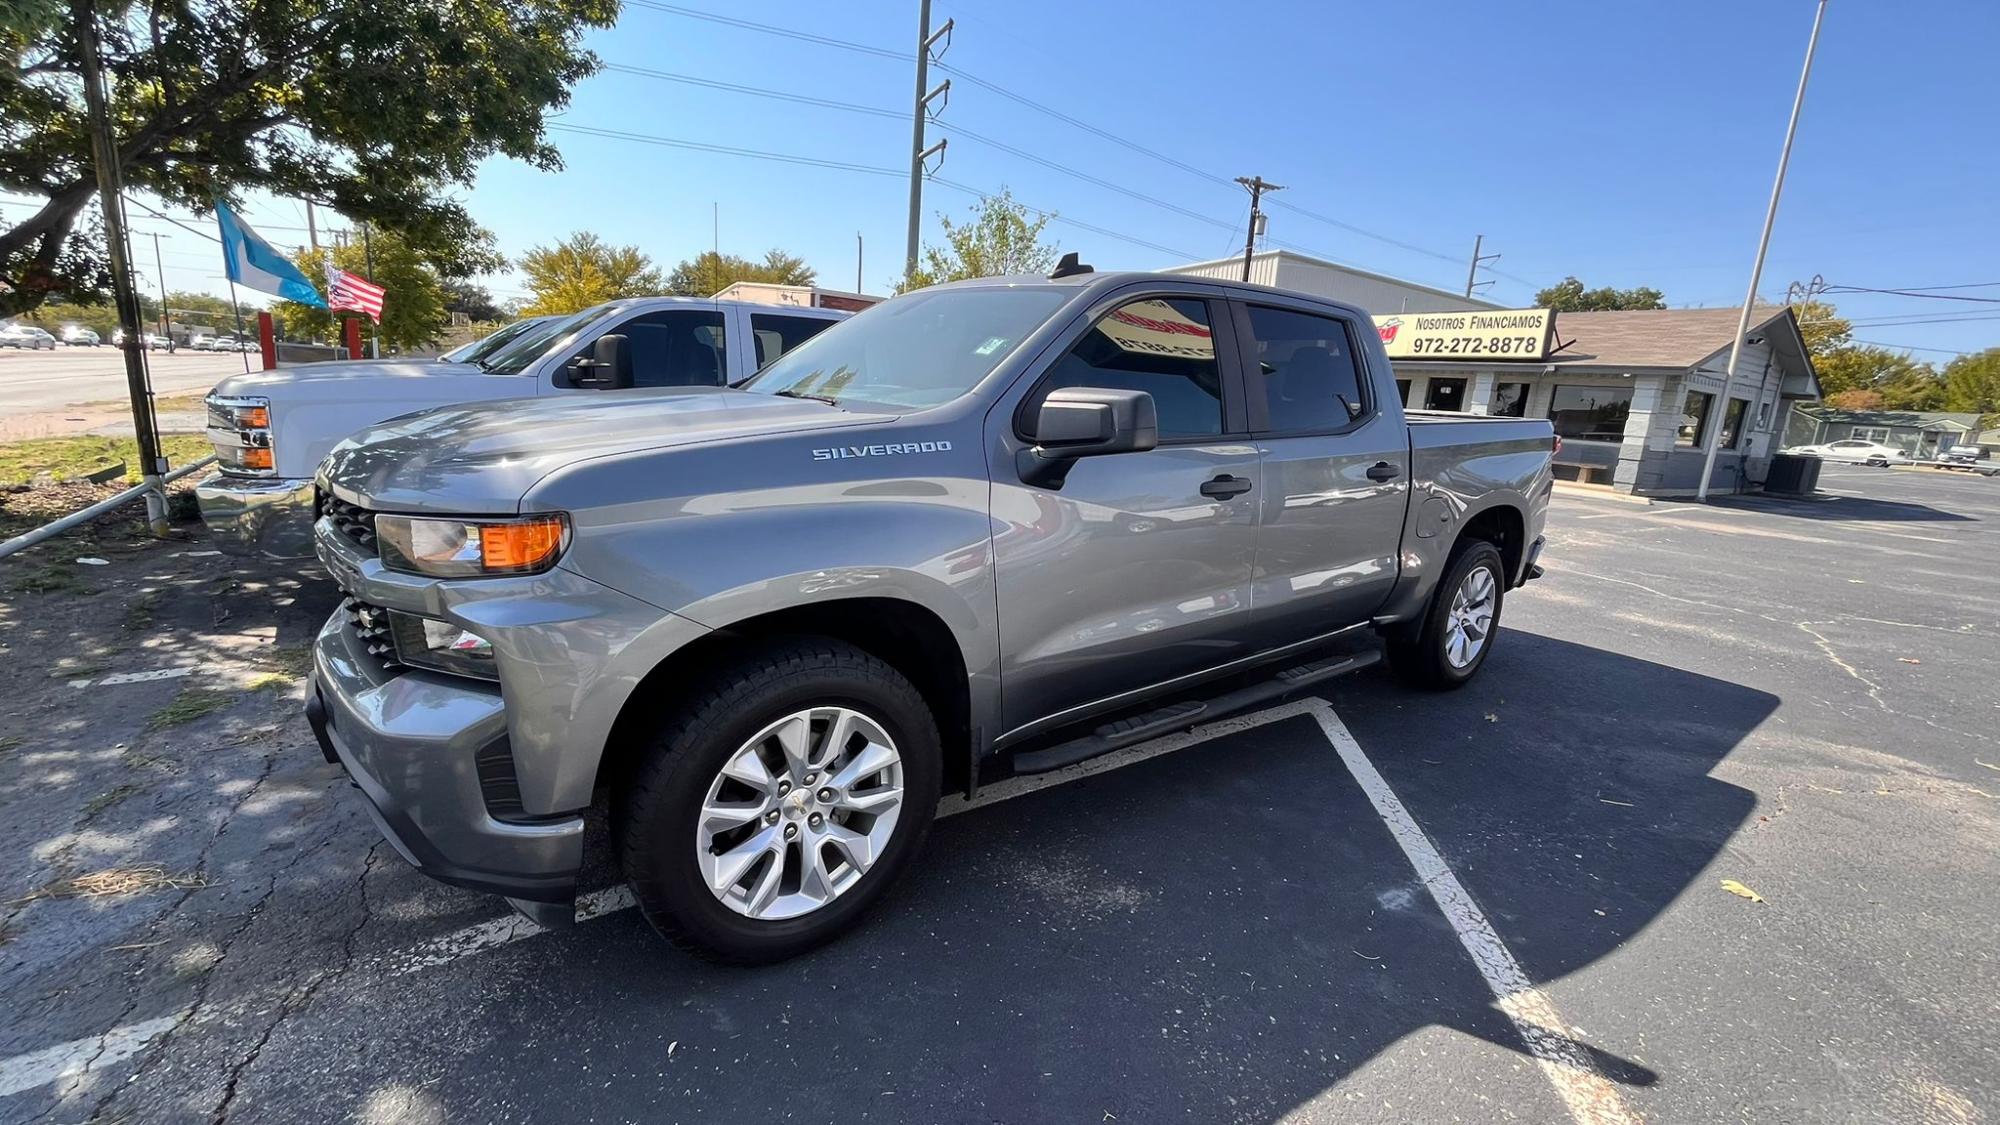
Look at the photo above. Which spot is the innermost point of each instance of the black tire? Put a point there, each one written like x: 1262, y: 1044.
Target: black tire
x: 1417, y: 651
x: 657, y: 810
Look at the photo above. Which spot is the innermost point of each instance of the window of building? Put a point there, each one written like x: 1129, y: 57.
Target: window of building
x: 1510, y: 400
x: 1445, y: 394
x: 1877, y: 434
x: 1591, y: 413
x: 1403, y: 391
x: 1162, y: 347
x: 1694, y: 418
x: 1764, y: 415
x: 1307, y: 367
x: 777, y: 334
x: 1732, y: 422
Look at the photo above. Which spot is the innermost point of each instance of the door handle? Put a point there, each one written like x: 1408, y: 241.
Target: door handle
x: 1224, y: 487
x: 1383, y: 470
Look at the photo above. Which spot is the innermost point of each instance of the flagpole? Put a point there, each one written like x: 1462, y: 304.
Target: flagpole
x: 238, y: 310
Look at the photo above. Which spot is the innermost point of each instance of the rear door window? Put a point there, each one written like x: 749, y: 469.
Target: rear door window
x: 1303, y: 365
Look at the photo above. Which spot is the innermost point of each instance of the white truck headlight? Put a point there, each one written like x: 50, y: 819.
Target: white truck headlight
x: 454, y: 548
x: 239, y: 427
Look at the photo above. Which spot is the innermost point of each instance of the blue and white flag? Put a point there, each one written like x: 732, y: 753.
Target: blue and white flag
x: 251, y: 262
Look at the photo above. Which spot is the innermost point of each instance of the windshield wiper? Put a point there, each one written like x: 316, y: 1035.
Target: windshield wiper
x: 827, y: 399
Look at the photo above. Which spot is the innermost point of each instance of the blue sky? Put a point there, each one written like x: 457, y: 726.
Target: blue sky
x: 1629, y: 144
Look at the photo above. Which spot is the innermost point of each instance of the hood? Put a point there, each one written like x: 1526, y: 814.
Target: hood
x: 482, y: 458
x: 256, y: 382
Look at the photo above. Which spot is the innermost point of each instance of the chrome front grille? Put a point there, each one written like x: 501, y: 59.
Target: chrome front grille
x: 351, y: 520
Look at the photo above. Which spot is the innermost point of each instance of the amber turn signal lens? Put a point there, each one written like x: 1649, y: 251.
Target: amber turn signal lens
x: 254, y: 417
x: 519, y: 546
x: 257, y: 458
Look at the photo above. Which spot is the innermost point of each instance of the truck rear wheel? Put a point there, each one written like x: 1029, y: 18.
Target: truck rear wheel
x: 780, y: 801
x: 1446, y: 648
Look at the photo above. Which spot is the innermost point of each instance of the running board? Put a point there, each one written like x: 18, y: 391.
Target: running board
x: 1180, y: 716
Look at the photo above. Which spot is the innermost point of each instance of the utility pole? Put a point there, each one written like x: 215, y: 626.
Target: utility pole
x: 857, y: 261
x: 1257, y: 188
x: 368, y: 263
x: 104, y: 153
x: 1478, y: 259
x: 919, y: 118
x: 715, y: 227
x: 160, y: 271
x: 312, y: 226
x: 1721, y: 409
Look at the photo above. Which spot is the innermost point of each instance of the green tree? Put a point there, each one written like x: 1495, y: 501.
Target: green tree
x: 102, y: 319
x: 1972, y: 383
x: 413, y: 296
x: 382, y: 108
x: 475, y: 302
x: 1903, y: 383
x: 1569, y: 295
x: 708, y: 273
x: 1859, y: 399
x: 1824, y: 329
x: 1001, y: 240
x: 583, y: 270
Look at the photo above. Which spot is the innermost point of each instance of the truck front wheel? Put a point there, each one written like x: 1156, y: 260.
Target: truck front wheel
x: 1445, y: 648
x: 780, y: 801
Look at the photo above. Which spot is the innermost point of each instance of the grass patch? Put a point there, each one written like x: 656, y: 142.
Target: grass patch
x: 50, y: 578
x: 140, y: 610
x: 104, y: 801
x: 294, y: 662
x: 188, y: 706
x: 116, y: 881
x: 273, y: 681
x: 72, y: 457
x: 11, y: 742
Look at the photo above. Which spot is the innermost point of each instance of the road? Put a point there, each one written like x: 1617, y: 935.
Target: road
x: 1302, y: 915
x: 37, y: 387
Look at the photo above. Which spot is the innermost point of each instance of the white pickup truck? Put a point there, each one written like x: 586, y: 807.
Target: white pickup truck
x: 271, y: 428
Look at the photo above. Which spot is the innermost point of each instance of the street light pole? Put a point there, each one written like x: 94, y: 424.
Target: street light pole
x: 160, y: 272
x: 1720, y: 411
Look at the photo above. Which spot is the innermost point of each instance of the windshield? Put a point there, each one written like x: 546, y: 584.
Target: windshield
x: 486, y: 345
x: 529, y: 346
x: 914, y: 352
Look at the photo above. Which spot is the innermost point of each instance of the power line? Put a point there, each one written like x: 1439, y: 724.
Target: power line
x: 1054, y: 217
x: 1910, y: 293
x: 170, y: 219
x: 756, y: 91
x: 727, y: 150
x: 768, y: 29
x: 1068, y: 119
x: 960, y: 130
x: 1911, y: 347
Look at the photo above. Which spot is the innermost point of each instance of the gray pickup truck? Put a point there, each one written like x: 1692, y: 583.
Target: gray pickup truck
x: 988, y: 527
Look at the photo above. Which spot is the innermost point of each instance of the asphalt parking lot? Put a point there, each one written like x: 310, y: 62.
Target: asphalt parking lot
x: 1501, y: 904
x: 38, y: 389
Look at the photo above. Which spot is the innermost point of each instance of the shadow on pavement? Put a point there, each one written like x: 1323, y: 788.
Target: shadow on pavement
x: 1222, y: 933
x: 1823, y: 506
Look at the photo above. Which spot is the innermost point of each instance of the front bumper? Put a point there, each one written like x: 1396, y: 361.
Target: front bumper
x: 413, y: 743
x: 272, y: 517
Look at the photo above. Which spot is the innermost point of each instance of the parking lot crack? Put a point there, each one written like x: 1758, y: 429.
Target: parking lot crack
x: 300, y: 998
x: 1826, y: 646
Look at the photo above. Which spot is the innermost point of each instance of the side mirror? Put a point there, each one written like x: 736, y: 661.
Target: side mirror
x: 606, y: 369
x: 1087, y: 422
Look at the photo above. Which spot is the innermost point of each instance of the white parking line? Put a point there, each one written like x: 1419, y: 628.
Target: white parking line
x: 139, y: 677
x: 65, y: 1060
x: 1588, y: 1095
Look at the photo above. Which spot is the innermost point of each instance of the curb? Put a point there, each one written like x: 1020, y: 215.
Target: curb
x: 1592, y: 492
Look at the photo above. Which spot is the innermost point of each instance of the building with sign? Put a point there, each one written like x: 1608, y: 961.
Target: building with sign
x: 1375, y: 292
x: 1633, y: 394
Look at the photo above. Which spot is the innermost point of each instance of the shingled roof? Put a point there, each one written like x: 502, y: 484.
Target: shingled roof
x: 1640, y: 338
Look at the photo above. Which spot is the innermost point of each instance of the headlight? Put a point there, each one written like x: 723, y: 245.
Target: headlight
x: 447, y: 548
x: 425, y: 642
x: 240, y: 429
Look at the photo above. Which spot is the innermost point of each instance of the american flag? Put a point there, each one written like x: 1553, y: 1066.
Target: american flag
x: 352, y: 291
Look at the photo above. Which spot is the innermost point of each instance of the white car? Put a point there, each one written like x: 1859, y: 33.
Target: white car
x: 201, y: 342
x: 77, y: 336
x: 1854, y: 451
x: 26, y: 336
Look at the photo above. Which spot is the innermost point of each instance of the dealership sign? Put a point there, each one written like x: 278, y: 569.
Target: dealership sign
x: 1486, y: 334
